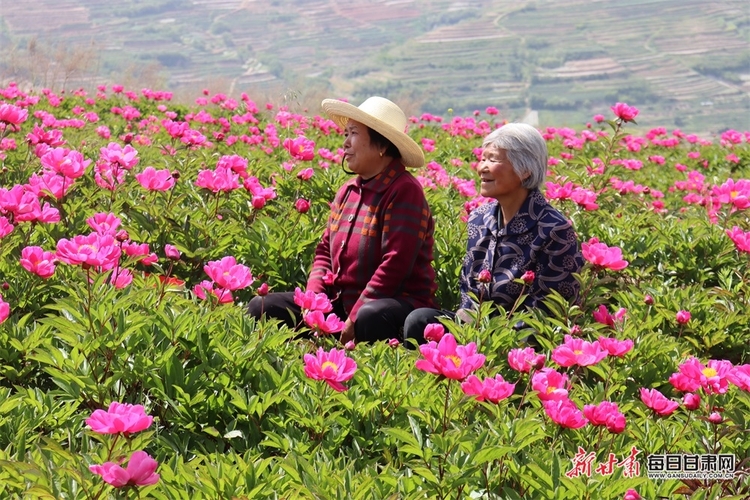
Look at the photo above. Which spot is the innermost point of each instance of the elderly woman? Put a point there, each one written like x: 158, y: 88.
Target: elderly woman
x: 516, y: 233
x: 374, y: 260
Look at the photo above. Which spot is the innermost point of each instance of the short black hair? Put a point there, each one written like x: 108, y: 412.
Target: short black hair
x: 380, y: 141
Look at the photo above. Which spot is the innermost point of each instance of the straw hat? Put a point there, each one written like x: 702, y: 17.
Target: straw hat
x: 382, y: 115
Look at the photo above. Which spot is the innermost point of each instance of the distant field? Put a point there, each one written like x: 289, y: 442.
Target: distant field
x: 686, y: 62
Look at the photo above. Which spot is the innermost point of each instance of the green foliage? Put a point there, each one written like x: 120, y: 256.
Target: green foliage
x: 234, y: 414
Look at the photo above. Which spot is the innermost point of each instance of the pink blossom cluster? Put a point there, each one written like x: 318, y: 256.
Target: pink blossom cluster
x: 603, y: 256
x: 124, y: 419
x: 226, y: 276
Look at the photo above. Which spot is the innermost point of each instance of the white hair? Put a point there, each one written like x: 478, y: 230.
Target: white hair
x: 525, y: 149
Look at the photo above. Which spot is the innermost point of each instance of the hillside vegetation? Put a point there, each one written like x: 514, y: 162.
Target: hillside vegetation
x: 686, y: 63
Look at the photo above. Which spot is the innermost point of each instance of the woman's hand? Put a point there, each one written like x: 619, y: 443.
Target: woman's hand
x: 347, y: 333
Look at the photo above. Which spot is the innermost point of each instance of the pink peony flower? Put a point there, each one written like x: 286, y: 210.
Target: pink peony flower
x: 624, y: 112
x: 11, y: 114
x: 141, y: 471
x: 65, y: 162
x: 311, y: 301
x: 449, y: 359
x: 229, y: 275
x: 155, y: 180
x: 550, y: 384
x: 171, y: 252
x: 5, y: 227
x: 565, y: 413
x: 606, y: 414
x: 332, y: 367
x: 523, y: 360
x: 95, y: 250
x: 692, y: 374
x: 219, y: 180
x: 576, y: 351
x: 740, y: 238
x: 740, y: 376
x: 491, y: 389
x: 321, y: 324
x: 205, y: 288
x: 660, y: 404
x: 603, y: 256
x: 305, y: 174
x: 715, y: 418
x: 104, y: 223
x: 602, y: 315
x: 598, y: 118
x: 4, y: 310
x: 300, y: 148
x: 37, y: 261
x: 631, y: 494
x: 484, y: 276
x: 682, y: 317
x: 616, y: 347
x: 121, y: 279
x: 691, y: 401
x: 434, y: 332
x: 116, y: 155
x: 302, y: 206
x: 120, y: 418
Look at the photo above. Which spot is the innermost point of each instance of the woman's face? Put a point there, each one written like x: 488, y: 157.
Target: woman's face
x: 497, y: 174
x: 362, y: 157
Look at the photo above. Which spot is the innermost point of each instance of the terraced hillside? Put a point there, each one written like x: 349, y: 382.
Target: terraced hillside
x: 683, y: 62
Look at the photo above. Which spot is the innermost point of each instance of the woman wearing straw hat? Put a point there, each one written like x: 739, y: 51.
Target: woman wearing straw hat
x: 374, y: 260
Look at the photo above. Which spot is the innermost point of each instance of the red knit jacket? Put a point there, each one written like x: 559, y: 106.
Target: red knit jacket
x: 378, y: 243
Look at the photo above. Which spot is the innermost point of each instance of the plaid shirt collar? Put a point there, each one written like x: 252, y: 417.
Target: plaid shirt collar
x: 380, y: 182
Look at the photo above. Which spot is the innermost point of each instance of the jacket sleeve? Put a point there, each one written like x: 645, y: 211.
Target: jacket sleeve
x: 321, y: 264
x: 556, y: 267
x: 406, y: 220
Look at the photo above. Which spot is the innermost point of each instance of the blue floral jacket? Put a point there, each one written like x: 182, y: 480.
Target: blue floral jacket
x: 538, y: 238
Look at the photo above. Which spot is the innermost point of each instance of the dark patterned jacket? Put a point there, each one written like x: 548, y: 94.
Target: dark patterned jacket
x: 378, y: 243
x: 537, y: 238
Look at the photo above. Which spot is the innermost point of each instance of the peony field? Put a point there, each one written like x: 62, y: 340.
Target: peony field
x: 134, y: 230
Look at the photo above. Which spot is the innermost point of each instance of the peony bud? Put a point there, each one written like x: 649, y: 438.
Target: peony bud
x: 302, y: 205
x: 484, y: 276
x: 171, y: 252
x: 682, y: 317
x: 528, y: 277
x: 648, y: 300
x: 258, y: 202
x: 691, y: 401
x: 715, y: 418
x: 263, y: 290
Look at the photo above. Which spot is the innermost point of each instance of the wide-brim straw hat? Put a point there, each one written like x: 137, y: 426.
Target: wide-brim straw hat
x: 383, y: 116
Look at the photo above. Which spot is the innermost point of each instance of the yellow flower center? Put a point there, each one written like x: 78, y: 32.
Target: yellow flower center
x: 577, y: 352
x: 327, y: 364
x: 456, y: 360
x: 551, y: 389
x: 709, y: 372
x: 733, y: 194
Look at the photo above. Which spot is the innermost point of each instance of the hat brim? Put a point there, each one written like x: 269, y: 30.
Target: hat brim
x: 341, y: 112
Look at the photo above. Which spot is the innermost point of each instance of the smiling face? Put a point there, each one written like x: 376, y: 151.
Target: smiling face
x: 499, y: 180
x: 362, y: 157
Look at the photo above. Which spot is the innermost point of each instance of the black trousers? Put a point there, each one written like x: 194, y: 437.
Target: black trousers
x: 380, y: 319
x: 417, y: 321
